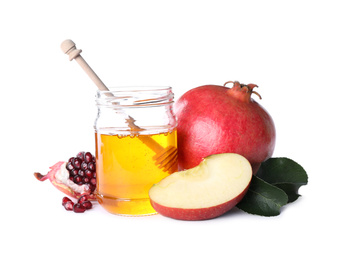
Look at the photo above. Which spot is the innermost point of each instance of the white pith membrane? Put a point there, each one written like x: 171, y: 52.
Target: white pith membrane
x: 62, y: 176
x: 217, y: 179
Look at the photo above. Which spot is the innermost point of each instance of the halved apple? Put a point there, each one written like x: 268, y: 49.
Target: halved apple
x: 206, y: 191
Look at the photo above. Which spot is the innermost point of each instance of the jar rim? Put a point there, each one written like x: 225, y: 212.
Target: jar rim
x: 135, y: 96
x: 135, y: 89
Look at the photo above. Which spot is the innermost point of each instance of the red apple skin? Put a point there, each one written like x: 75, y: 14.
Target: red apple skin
x: 200, y: 213
x: 215, y: 119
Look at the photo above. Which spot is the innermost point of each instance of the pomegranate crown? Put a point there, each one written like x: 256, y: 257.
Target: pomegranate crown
x: 244, y: 90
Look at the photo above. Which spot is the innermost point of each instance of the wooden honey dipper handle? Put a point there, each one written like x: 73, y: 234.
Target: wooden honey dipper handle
x: 68, y: 47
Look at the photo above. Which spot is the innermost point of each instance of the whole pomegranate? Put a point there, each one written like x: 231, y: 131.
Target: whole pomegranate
x: 216, y: 119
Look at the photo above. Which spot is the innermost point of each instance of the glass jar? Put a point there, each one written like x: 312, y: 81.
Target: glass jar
x: 136, y: 146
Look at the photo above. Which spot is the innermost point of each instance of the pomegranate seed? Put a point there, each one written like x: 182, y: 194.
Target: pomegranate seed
x: 69, y: 166
x: 74, y: 172
x: 93, y: 181
x: 81, y: 173
x: 88, y: 157
x: 78, y: 208
x: 78, y: 179
x: 89, y: 174
x: 84, y: 166
x: 87, y: 204
x: 91, y: 166
x: 69, y: 205
x: 65, y: 199
x: 81, y: 155
x: 91, y: 186
x: 82, y: 199
x: 77, y: 163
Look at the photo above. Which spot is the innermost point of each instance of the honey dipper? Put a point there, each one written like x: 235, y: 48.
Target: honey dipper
x: 165, y: 158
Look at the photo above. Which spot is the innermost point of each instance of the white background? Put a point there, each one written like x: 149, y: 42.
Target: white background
x: 296, y: 51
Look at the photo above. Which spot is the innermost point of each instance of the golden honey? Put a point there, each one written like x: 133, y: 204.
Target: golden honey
x: 126, y: 170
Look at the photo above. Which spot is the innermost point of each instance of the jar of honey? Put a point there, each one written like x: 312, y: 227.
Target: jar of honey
x: 136, y: 146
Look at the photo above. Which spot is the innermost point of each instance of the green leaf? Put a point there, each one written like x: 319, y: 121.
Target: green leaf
x: 263, y: 199
x: 285, y: 174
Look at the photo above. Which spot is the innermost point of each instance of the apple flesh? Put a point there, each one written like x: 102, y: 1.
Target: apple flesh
x: 206, y: 191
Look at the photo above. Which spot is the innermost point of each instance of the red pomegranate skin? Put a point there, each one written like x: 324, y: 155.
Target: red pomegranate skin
x: 216, y: 119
